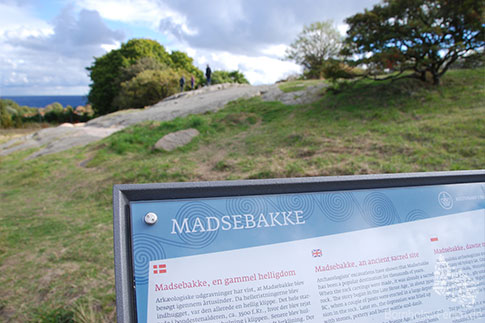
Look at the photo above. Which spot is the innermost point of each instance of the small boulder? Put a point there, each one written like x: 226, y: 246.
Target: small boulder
x: 176, y: 139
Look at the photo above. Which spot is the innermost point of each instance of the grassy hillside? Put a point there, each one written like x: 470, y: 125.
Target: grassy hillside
x: 56, y: 258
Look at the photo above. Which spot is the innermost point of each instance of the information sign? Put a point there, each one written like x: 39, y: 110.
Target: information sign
x: 387, y: 248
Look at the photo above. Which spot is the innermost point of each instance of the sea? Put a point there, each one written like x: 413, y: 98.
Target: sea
x: 42, y: 101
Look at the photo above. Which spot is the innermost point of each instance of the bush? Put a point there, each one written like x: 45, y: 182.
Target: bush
x: 147, y: 88
x: 219, y: 77
x: 54, y: 107
x: 110, y: 71
x: 10, y: 115
x: 5, y: 117
x: 334, y: 70
x: 13, y: 115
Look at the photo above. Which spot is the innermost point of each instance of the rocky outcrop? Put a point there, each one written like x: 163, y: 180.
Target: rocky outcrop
x: 308, y: 95
x: 56, y: 139
x: 211, y: 98
x: 175, y: 140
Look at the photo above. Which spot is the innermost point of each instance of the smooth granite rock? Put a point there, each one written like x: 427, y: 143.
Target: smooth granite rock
x: 209, y: 98
x: 176, y: 139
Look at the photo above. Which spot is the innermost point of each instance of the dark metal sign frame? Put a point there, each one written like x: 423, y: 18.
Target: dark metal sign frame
x: 126, y: 193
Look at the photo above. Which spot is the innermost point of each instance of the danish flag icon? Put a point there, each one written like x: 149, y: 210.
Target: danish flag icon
x: 159, y: 269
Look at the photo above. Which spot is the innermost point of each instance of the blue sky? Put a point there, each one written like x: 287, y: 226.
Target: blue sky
x: 46, y: 45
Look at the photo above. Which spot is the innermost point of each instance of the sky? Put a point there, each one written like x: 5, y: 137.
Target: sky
x: 46, y: 45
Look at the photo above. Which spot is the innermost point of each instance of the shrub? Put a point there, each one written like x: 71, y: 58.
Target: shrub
x: 219, y: 77
x: 5, y: 117
x: 147, y: 88
x: 110, y: 71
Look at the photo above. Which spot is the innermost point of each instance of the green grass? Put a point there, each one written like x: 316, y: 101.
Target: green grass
x: 56, y: 254
x: 298, y: 85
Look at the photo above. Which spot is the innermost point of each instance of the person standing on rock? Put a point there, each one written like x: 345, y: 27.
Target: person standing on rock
x: 208, y: 73
x: 182, y: 83
x: 192, y: 82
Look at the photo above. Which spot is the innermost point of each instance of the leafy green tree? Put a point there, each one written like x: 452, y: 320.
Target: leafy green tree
x: 182, y: 61
x: 24, y: 109
x: 10, y: 113
x: 142, y: 64
x: 219, y: 77
x: 10, y: 105
x: 13, y: 115
x: 17, y: 120
x: 55, y: 107
x: 5, y: 117
x: 55, y: 113
x: 424, y: 36
x: 147, y: 88
x: 104, y: 73
x: 238, y: 77
x: 125, y: 66
x: 106, y: 70
x: 314, y: 45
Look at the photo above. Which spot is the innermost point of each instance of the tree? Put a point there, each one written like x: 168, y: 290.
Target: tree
x: 147, y: 88
x: 314, y: 45
x: 182, y: 61
x: 11, y: 113
x: 219, y: 77
x: 424, y: 36
x: 142, y: 64
x: 109, y: 71
x: 5, y: 116
x: 55, y: 107
x: 104, y: 72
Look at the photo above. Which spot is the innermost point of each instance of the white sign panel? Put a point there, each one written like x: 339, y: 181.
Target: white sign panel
x: 413, y: 254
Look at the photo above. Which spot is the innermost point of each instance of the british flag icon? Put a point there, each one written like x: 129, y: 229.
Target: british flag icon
x: 316, y: 253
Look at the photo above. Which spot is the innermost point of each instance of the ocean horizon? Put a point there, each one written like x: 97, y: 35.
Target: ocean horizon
x: 41, y: 101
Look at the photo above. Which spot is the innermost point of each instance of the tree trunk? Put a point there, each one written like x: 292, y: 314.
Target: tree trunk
x: 436, y: 79
x: 423, y: 76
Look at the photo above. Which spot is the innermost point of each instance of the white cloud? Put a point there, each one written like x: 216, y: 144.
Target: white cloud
x: 265, y: 70
x: 144, y: 12
x: 21, y: 23
x: 110, y: 47
x: 248, y: 35
x: 257, y: 69
x: 249, y: 27
x: 342, y: 28
x: 50, y: 57
x: 141, y: 11
x: 275, y: 50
